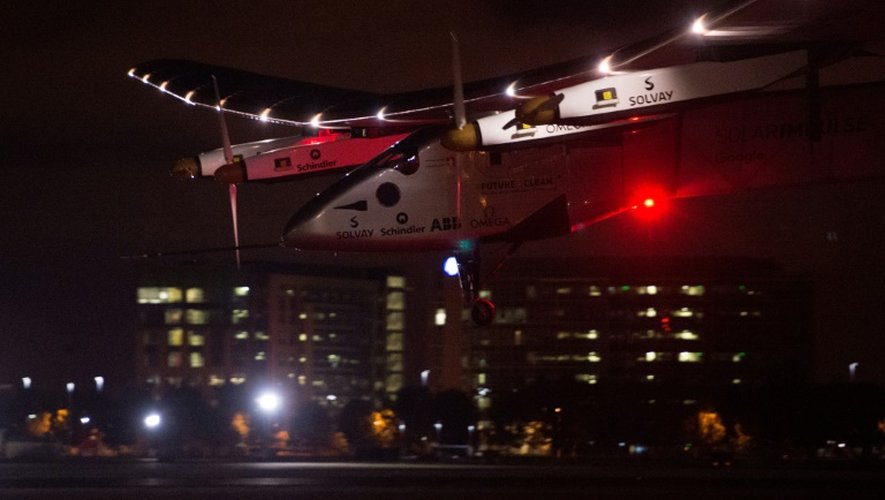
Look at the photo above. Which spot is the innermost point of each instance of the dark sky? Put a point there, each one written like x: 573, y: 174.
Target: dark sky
x: 86, y: 151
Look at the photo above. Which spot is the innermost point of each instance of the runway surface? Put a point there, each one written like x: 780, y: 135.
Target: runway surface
x: 223, y: 480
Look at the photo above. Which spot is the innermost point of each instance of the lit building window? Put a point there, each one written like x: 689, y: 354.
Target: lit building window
x: 262, y: 336
x: 649, y: 378
x: 693, y: 290
x: 563, y: 335
x: 174, y: 359
x: 175, y: 337
x: 195, y: 339
x: 396, y: 301
x: 237, y: 379
x: 647, y: 290
x: 686, y: 335
x: 302, y: 337
x: 735, y: 381
x: 196, y: 317
x: 302, y: 380
x: 196, y: 360
x: 651, y: 356
x: 395, y: 341
x: 241, y: 291
x: 590, y: 335
x: 396, y: 282
x: 395, y: 362
x: 439, y: 319
x: 158, y: 295
x: 590, y: 378
x: 683, y: 313
x: 173, y: 316
x: 481, y: 378
x: 215, y: 380
x: 394, y: 382
x: 238, y: 316
x: 517, y: 337
x: 690, y: 357
x: 595, y: 291
x: 593, y: 357
x: 395, y: 321
x: 651, y: 312
x: 485, y: 294
x: 260, y: 356
x: 334, y: 360
x: 194, y: 295
x: 563, y: 290
x: 738, y: 357
x: 242, y: 335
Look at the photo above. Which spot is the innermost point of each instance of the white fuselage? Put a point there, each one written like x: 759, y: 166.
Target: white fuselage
x: 450, y: 197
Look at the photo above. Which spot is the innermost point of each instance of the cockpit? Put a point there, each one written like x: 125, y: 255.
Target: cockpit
x: 403, y: 156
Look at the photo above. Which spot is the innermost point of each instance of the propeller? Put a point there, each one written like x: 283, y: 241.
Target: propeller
x: 229, y: 159
x: 462, y: 136
x: 458, y: 102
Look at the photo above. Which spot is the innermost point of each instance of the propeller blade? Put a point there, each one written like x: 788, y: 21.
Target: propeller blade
x: 228, y: 158
x: 232, y: 193
x: 458, y: 84
x: 225, y: 136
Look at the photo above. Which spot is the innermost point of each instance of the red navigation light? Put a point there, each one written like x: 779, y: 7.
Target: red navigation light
x: 649, y: 202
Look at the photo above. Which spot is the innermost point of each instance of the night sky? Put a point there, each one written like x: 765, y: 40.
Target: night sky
x: 86, y: 152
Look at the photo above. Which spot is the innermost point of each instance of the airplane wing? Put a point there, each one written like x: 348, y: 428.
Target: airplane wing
x: 297, y: 103
x: 736, y: 29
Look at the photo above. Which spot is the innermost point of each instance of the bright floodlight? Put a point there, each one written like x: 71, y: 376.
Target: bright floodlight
x: 152, y: 421
x: 268, y: 402
x: 450, y: 266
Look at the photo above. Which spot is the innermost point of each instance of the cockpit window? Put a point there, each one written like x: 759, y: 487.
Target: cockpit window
x: 403, y: 156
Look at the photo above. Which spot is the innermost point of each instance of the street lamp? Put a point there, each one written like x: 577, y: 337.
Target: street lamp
x: 438, y: 426
x: 268, y: 402
x: 152, y: 420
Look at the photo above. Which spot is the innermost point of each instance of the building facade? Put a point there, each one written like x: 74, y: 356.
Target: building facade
x: 672, y: 331
x: 328, y: 335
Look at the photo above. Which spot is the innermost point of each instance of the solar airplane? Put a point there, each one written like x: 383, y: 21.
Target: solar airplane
x: 548, y: 152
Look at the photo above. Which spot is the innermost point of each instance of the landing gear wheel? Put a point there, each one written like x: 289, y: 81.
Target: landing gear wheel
x: 483, y: 312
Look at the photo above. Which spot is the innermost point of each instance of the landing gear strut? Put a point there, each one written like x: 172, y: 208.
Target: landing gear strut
x: 482, y: 310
